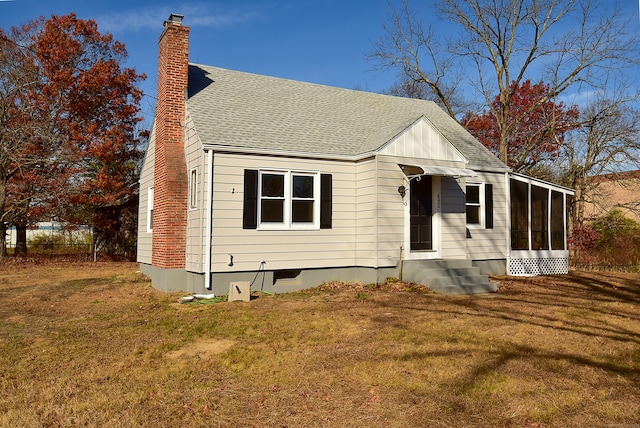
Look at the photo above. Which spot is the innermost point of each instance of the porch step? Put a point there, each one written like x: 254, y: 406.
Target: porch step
x: 453, y: 277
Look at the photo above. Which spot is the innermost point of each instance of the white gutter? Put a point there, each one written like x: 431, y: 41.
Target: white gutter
x: 208, y: 221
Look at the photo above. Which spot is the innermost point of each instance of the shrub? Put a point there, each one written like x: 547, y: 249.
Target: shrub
x: 612, y: 241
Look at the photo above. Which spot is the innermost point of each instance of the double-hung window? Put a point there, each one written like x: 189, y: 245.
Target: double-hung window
x: 272, y: 197
x: 479, y: 204
x: 303, y: 198
x: 474, y: 207
x: 288, y: 199
x: 280, y: 199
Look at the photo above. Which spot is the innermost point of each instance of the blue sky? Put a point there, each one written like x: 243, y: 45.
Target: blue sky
x: 319, y: 41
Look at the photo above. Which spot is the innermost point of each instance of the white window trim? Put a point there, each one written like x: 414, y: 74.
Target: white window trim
x: 150, y: 209
x: 193, y: 188
x: 287, y: 223
x: 480, y: 205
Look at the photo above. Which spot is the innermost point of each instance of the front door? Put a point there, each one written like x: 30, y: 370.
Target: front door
x: 421, y: 214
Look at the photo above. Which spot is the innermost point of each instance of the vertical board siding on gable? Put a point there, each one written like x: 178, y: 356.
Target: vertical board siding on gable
x: 490, y: 244
x: 146, y: 181
x: 196, y: 158
x: 280, y: 249
x: 421, y: 141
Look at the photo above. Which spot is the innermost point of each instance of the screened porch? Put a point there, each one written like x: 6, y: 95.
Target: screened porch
x: 538, y: 227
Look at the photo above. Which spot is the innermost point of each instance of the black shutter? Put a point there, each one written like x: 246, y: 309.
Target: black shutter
x: 326, y: 201
x: 488, y: 206
x: 250, y: 208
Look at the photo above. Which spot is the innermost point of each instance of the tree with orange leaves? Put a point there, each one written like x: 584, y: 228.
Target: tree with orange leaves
x: 69, y: 114
x: 536, y: 126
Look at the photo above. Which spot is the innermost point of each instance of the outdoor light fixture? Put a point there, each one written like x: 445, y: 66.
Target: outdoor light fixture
x: 402, y: 190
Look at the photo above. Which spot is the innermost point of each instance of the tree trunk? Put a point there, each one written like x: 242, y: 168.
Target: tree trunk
x: 21, y: 239
x: 3, y: 240
x: 3, y: 199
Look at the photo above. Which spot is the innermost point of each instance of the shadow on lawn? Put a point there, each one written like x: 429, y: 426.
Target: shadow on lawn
x: 599, y: 308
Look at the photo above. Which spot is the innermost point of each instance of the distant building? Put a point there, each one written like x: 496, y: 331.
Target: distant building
x: 45, y: 228
x: 615, y: 191
x: 41, y: 227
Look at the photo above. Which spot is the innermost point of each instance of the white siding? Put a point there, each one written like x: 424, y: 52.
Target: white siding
x: 453, y: 218
x: 390, y: 211
x: 280, y: 249
x: 195, y: 159
x: 365, y: 212
x: 146, y: 181
x: 489, y: 244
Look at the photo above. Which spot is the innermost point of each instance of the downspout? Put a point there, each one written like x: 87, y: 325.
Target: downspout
x: 508, y: 222
x: 376, y: 214
x: 208, y: 220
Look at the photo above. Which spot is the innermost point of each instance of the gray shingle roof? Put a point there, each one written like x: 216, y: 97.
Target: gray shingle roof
x: 236, y: 109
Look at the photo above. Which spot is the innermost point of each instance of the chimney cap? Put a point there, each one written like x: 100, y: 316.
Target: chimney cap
x: 174, y: 19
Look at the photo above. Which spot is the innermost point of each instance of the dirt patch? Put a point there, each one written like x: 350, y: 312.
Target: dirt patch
x: 202, y: 348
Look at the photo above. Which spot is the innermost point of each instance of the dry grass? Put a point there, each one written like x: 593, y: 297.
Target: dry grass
x: 95, y: 345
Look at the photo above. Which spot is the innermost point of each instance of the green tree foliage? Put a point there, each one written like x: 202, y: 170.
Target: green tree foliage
x: 615, y: 229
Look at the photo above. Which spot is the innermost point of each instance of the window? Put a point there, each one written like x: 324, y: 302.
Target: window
x: 474, y: 208
x: 302, y: 200
x: 150, y: 209
x: 272, y: 198
x: 287, y: 199
x: 479, y: 204
x: 193, y: 188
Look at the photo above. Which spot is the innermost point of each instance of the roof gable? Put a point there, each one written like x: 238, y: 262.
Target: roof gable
x: 261, y: 113
x: 422, y: 140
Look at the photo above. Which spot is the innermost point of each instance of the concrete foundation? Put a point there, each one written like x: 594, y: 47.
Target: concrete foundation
x: 264, y: 280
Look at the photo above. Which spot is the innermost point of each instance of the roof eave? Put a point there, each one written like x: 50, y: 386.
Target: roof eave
x: 287, y: 153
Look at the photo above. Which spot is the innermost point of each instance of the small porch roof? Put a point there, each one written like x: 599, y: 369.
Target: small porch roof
x: 412, y: 171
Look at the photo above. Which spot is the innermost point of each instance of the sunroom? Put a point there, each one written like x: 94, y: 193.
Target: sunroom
x: 537, y: 227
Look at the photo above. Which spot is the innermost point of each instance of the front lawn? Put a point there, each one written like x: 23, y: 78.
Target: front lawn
x: 95, y: 345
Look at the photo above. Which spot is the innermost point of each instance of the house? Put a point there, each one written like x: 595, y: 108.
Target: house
x: 614, y: 191
x: 286, y: 185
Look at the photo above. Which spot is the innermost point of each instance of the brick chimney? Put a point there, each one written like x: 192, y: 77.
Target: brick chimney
x: 170, y: 175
